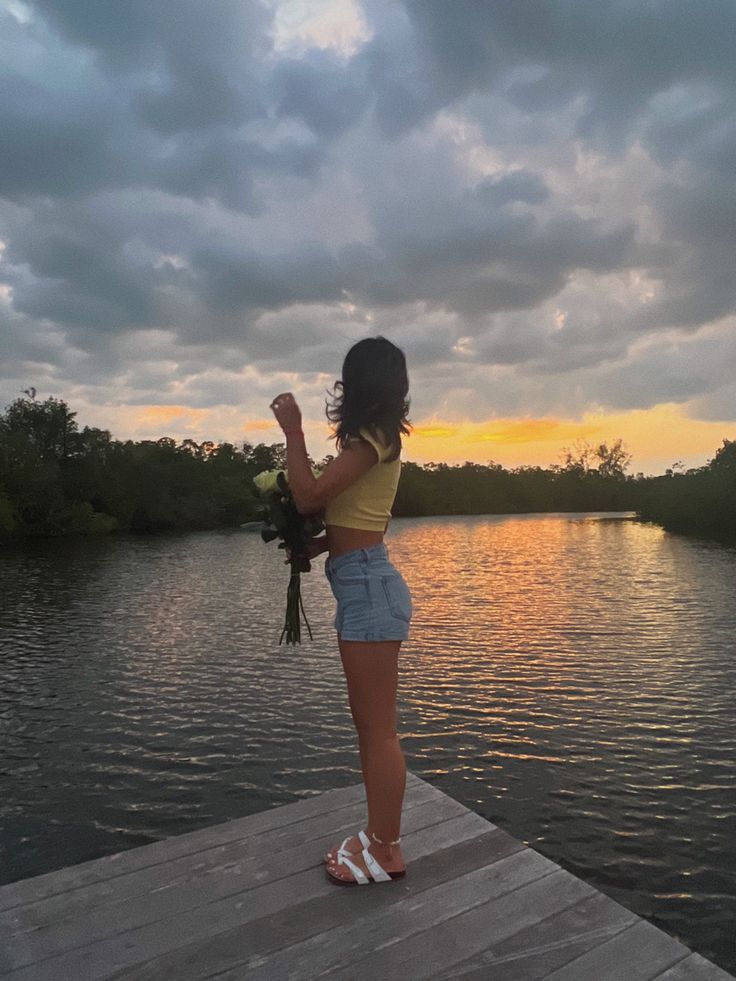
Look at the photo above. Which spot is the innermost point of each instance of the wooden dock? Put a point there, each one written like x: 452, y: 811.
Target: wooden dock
x: 249, y: 899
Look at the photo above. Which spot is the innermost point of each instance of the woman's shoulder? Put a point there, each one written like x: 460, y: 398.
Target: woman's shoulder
x: 382, y: 443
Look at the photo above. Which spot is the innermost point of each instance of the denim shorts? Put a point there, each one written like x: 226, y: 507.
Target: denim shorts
x: 373, y: 601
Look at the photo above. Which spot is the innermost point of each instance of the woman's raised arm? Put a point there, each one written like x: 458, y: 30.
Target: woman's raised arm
x: 312, y: 493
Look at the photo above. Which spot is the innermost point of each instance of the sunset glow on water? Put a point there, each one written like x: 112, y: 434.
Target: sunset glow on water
x: 568, y: 677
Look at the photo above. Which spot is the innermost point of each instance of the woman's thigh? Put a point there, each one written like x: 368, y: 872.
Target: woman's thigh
x: 371, y: 670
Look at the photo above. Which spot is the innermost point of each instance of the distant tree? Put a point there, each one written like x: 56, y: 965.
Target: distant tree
x: 190, y: 446
x: 613, y: 460
x: 8, y: 515
x: 268, y: 457
x: 93, y: 442
x: 579, y: 458
x: 725, y: 459
x: 55, y: 480
x: 608, y: 461
x: 225, y: 454
x: 46, y: 428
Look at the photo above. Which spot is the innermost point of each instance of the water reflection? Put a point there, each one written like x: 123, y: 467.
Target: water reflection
x: 570, y: 677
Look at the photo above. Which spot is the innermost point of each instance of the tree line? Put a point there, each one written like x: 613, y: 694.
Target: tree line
x: 56, y: 479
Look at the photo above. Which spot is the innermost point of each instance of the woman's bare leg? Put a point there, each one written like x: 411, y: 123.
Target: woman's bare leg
x: 371, y: 671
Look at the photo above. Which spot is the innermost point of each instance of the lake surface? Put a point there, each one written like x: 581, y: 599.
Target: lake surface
x: 569, y: 677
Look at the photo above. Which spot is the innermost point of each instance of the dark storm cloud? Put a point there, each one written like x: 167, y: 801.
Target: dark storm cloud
x: 160, y: 164
x: 22, y: 341
x: 70, y: 267
x: 243, y: 280
x: 318, y: 90
x: 615, y: 54
x: 43, y: 151
x: 196, y: 66
x: 224, y: 169
x: 439, y: 252
x: 716, y: 405
x: 159, y: 104
x: 702, y: 285
x: 670, y: 369
x: 662, y: 73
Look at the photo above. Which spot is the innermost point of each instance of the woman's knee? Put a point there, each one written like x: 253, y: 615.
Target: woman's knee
x: 371, y: 734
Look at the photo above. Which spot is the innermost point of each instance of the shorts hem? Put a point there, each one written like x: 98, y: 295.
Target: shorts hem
x: 370, y: 640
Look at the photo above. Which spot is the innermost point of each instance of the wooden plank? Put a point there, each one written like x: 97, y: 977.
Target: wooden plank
x: 532, y: 953
x: 91, y: 913
x: 255, y: 940
x: 101, y: 959
x: 348, y: 799
x: 423, y: 808
x: 341, y: 952
x: 694, y: 968
x: 639, y: 953
x: 420, y: 938
x: 250, y: 898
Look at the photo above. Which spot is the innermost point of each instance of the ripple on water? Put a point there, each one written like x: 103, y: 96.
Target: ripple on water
x: 569, y: 677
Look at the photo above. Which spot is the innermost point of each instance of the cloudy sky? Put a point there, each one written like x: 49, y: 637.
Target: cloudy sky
x: 205, y: 203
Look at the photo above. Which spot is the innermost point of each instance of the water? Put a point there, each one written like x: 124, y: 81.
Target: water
x: 569, y: 677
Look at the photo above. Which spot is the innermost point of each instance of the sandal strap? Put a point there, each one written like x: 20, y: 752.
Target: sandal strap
x: 364, y: 839
x: 378, y: 873
x: 360, y: 877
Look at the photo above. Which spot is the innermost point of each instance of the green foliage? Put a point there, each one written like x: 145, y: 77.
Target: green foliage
x: 43, y: 431
x: 612, y: 461
x: 56, y: 480
x: 700, y: 501
x: 8, y: 516
x: 471, y: 488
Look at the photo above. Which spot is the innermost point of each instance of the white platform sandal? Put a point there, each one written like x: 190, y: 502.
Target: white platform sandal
x: 377, y: 872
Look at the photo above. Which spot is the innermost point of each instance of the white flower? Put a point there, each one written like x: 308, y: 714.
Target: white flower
x: 266, y: 480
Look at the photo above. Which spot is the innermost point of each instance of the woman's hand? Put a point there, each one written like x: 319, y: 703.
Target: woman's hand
x: 315, y: 547
x: 287, y: 412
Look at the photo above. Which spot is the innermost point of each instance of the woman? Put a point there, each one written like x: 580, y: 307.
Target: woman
x: 356, y: 491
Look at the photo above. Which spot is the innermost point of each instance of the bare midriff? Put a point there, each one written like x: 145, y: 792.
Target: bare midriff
x: 341, y: 539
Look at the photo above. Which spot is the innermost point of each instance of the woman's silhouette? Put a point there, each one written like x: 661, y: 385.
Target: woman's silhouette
x: 356, y: 491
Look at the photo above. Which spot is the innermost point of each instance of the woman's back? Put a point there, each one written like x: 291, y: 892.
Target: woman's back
x: 366, y: 504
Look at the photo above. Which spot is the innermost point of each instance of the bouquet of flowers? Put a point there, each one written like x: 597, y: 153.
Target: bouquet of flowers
x: 282, y: 520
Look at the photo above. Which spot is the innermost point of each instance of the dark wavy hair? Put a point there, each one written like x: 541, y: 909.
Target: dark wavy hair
x: 372, y: 393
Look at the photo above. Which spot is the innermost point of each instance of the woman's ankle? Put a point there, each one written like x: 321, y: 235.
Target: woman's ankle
x: 383, y: 839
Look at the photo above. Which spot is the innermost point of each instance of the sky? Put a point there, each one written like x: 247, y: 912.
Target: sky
x: 205, y: 204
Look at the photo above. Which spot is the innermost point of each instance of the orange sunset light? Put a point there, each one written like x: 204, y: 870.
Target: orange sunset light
x: 163, y: 413
x: 656, y: 438
x: 256, y: 425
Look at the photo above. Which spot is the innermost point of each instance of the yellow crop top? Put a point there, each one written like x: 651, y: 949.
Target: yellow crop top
x: 367, y: 503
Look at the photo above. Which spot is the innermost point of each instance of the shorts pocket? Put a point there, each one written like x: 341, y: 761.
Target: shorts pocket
x: 398, y: 597
x: 351, y: 572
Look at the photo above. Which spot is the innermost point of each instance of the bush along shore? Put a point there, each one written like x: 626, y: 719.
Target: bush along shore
x: 57, y: 480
